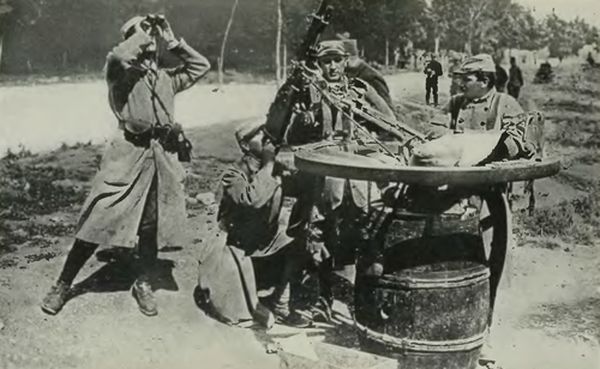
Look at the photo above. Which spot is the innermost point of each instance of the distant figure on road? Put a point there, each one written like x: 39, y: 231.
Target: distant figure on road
x: 544, y: 73
x: 137, y: 197
x: 501, y: 78
x: 515, y: 79
x: 454, y: 63
x: 433, y: 70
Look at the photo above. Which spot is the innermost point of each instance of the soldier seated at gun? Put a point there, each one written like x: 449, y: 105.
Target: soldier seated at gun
x: 249, y: 214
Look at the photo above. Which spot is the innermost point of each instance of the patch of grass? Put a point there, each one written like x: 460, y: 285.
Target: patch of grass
x: 576, y: 221
x: 589, y: 158
x: 22, y: 152
x: 8, y: 263
x: 568, y: 104
x: 48, y: 182
x: 34, y: 189
x: 41, y: 256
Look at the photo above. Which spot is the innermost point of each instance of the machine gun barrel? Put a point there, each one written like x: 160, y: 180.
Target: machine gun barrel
x: 357, y: 107
x: 393, y: 126
x: 319, y: 21
x: 295, y: 88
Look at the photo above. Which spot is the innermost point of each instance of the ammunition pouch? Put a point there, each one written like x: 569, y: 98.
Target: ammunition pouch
x: 171, y: 138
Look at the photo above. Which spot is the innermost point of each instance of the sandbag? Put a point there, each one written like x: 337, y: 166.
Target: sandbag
x: 456, y: 150
x: 520, y: 137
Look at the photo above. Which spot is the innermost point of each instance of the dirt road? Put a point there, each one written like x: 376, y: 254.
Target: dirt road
x: 43, y: 117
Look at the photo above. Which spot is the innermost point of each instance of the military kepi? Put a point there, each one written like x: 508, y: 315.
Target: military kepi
x: 130, y: 24
x: 331, y: 48
x: 248, y: 131
x: 477, y: 63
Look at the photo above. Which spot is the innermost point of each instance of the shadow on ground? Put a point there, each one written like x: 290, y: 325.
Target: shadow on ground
x: 574, y: 319
x: 118, y: 274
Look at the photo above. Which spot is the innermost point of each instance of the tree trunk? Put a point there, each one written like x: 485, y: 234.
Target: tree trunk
x: 284, y: 68
x: 221, y: 59
x: 436, y: 47
x: 387, y: 53
x: 1, y: 44
x: 278, y: 72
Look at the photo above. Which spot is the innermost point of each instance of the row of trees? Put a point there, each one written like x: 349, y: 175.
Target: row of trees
x: 51, y: 36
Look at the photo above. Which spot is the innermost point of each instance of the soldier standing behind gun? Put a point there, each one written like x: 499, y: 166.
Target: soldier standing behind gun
x: 137, y: 196
x: 358, y: 68
x: 329, y: 211
x: 433, y: 70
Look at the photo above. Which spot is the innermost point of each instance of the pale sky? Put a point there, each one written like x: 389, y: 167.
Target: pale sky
x: 566, y: 9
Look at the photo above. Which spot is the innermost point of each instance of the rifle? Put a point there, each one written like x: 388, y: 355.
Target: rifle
x: 296, y: 91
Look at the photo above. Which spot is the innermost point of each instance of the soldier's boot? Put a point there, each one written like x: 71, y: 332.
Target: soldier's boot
x: 59, y: 293
x: 143, y: 294
x: 279, y: 305
x: 56, y: 298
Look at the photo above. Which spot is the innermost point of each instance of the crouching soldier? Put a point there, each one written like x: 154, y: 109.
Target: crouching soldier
x: 249, y: 218
x: 137, y: 197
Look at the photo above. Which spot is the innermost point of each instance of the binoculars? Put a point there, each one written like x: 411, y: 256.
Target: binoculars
x: 153, y: 22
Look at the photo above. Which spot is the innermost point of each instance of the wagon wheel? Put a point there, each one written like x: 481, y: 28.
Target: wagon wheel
x: 495, y: 228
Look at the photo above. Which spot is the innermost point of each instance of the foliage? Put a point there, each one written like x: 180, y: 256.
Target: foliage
x: 61, y: 36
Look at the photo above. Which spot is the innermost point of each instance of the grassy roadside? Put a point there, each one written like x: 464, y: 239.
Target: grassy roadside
x: 573, y: 133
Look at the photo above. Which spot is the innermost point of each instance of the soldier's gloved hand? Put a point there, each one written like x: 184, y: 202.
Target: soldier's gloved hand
x: 374, y: 270
x: 268, y: 152
x: 176, y: 128
x: 166, y: 32
x: 285, y: 164
x: 318, y: 252
x: 143, y: 27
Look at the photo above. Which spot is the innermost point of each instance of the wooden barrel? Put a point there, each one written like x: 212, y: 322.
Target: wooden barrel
x: 430, y: 308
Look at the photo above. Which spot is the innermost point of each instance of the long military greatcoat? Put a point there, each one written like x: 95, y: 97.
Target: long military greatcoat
x: 252, y: 226
x: 113, y: 209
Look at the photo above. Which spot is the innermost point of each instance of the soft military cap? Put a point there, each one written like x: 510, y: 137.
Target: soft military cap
x: 477, y: 63
x: 350, y: 44
x: 247, y: 132
x: 332, y: 47
x: 351, y: 47
x: 131, y: 23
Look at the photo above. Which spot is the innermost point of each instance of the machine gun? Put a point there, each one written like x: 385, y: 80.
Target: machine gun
x: 353, y: 107
x: 297, y: 91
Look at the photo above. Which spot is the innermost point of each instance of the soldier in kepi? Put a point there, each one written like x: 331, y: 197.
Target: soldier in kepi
x: 137, y: 197
x: 329, y: 212
x: 479, y: 106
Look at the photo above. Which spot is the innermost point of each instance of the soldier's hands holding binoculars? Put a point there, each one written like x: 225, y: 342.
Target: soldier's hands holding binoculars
x: 157, y: 25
